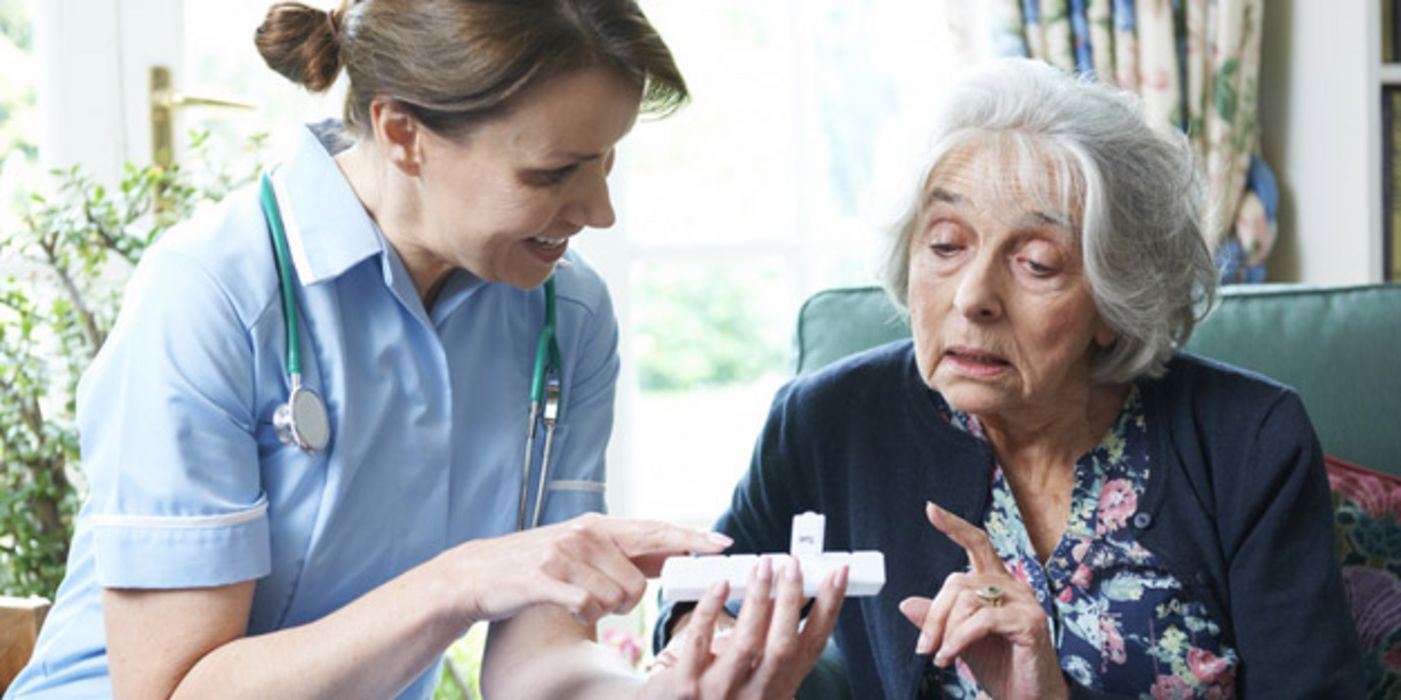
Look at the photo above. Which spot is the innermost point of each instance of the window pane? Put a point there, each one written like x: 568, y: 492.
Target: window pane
x: 720, y: 170
x: 806, y: 117
x: 710, y: 349
x: 19, y: 167
x: 708, y: 323
x: 221, y: 61
x: 804, y: 136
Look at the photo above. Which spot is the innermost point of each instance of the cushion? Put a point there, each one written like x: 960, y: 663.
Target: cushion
x: 1367, y: 524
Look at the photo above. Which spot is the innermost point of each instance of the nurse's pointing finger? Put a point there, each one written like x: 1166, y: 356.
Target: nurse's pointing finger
x: 648, y: 542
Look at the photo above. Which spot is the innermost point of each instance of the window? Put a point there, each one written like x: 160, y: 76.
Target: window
x: 19, y: 153
x: 807, y: 121
x: 223, y: 62
x: 801, y: 140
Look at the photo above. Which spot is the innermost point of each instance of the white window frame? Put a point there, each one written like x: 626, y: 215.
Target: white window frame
x: 93, y: 59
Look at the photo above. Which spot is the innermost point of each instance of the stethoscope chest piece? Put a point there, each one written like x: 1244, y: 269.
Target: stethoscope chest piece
x: 303, y: 421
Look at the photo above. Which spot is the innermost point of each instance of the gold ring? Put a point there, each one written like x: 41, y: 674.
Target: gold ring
x: 992, y: 595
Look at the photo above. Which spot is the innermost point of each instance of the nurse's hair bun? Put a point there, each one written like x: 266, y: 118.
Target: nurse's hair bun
x: 302, y: 43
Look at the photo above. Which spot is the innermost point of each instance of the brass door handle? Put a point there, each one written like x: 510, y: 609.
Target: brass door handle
x: 164, y: 101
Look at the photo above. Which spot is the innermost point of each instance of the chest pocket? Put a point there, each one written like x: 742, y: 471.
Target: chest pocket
x: 567, y: 492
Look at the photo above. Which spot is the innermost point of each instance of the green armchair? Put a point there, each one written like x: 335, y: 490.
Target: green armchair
x: 1339, y: 347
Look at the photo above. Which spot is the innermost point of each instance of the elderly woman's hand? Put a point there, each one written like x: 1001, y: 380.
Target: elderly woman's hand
x: 987, y: 618
x: 769, y: 650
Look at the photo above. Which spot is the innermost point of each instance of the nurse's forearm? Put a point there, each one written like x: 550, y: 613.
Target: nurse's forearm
x: 545, y: 653
x: 373, y: 647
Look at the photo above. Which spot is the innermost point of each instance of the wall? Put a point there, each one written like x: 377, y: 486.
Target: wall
x: 1317, y: 109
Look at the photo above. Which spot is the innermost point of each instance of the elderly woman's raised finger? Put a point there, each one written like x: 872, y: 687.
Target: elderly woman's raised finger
x: 972, y: 539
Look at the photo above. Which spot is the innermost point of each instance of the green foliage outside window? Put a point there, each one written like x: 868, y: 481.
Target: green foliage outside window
x: 700, y: 325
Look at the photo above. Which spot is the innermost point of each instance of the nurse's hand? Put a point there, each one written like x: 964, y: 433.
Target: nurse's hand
x: 987, y: 618
x: 591, y: 566
x: 767, y: 653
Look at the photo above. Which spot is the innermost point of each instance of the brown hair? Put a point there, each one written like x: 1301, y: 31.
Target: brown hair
x: 453, y: 63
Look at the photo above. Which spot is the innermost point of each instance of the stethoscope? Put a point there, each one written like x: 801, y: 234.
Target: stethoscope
x: 304, y: 422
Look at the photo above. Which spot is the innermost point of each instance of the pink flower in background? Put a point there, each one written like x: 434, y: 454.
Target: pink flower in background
x: 1208, y: 667
x: 628, y: 646
x: 1253, y: 229
x: 1160, y: 80
x: 1117, y: 501
x: 1171, y: 688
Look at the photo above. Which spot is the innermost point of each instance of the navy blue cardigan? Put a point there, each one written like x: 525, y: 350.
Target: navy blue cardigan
x: 1240, y: 513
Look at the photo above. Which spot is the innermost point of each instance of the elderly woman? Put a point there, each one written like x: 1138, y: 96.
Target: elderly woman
x: 1111, y: 516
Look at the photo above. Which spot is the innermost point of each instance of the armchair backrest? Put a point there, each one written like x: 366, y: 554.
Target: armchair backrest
x: 1339, y: 347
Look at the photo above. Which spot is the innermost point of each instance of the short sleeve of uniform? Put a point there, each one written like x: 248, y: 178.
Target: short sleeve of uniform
x: 165, y: 419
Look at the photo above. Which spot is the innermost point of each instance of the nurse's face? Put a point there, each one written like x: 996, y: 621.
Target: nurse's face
x: 504, y: 201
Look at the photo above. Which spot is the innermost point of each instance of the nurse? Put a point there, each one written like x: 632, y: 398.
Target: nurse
x: 215, y: 559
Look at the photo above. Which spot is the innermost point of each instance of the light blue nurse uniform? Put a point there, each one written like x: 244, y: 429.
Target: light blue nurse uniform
x: 189, y: 486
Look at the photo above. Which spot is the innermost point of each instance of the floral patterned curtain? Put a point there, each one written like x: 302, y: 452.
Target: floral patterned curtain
x: 1195, y: 63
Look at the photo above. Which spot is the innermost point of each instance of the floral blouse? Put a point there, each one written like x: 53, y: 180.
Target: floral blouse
x: 1122, y: 622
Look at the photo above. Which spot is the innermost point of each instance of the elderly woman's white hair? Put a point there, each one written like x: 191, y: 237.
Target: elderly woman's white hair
x: 1085, y: 148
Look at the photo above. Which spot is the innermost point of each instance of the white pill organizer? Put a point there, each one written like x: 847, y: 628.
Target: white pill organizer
x: 688, y: 578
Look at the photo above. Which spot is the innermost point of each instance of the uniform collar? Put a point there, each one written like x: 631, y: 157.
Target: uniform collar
x: 328, y: 229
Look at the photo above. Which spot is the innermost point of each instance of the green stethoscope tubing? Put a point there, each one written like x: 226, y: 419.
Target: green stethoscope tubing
x: 545, y: 389
x: 284, y: 279
x: 546, y: 348
x: 303, y: 419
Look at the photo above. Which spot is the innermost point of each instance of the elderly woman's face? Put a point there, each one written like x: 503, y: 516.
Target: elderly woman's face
x: 1002, y: 317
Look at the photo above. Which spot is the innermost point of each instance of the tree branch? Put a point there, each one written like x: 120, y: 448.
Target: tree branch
x: 107, y: 239
x: 46, y: 510
x: 91, y: 331
x: 29, y: 410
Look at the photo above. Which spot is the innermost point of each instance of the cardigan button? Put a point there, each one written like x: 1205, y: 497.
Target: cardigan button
x: 1142, y: 520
